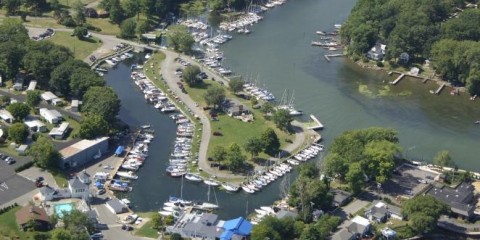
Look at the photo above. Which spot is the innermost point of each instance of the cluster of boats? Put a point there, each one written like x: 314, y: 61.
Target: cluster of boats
x: 178, y: 162
x: 152, y: 93
x: 271, y: 4
x: 213, y: 60
x: 327, y: 39
x: 287, y: 104
x: 115, y: 60
x: 176, y: 206
x: 261, y: 180
x: 307, y: 153
x: 258, y: 93
x: 192, y: 23
x: 240, y: 25
x: 261, y: 213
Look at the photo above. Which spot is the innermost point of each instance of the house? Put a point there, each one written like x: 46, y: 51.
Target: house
x: 74, y: 105
x: 22, y: 149
x: 32, y: 85
x: 78, y: 189
x: 48, y: 97
x: 29, y: 213
x: 238, y: 228
x: 340, y: 197
x: 60, y: 132
x: 6, y: 116
x: 84, y: 177
x: 51, y: 116
x: 460, y: 199
x: 356, y: 228
x: 388, y: 233
x: 48, y: 193
x: 344, y: 234
x: 199, y: 226
x: 35, y: 125
x: 377, y: 52
x: 116, y: 206
x: 82, y: 152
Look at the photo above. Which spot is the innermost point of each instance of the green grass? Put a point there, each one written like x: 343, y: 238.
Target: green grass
x: 8, y: 150
x: 147, y: 229
x: 60, y: 177
x: 70, y: 3
x: 107, y: 27
x: 9, y: 227
x: 80, y: 48
x: 74, y: 125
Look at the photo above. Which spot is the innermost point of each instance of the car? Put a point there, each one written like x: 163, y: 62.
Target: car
x: 101, y: 191
x: 96, y: 235
x: 127, y: 227
x: 39, y: 184
x: 108, y: 167
x: 11, y: 161
x: 39, y: 179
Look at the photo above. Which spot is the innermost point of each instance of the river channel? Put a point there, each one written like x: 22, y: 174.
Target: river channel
x: 341, y: 94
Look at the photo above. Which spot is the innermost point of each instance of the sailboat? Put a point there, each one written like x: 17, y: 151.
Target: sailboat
x: 207, y: 205
x: 286, y: 104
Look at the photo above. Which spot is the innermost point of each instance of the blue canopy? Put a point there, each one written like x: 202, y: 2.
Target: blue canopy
x: 238, y: 226
x: 119, y: 150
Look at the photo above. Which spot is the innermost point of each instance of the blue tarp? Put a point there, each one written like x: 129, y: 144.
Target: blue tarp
x: 119, y: 150
x: 238, y: 226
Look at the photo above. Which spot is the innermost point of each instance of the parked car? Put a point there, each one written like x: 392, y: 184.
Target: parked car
x: 39, y: 179
x: 101, y: 191
x: 11, y: 161
x: 127, y: 227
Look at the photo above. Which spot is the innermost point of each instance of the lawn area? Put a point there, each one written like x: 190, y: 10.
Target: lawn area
x: 234, y: 130
x: 69, y: 3
x: 80, y: 48
x: 43, y: 22
x: 105, y: 25
x: 74, y: 125
x: 146, y: 230
x: 60, y: 177
x: 9, y: 227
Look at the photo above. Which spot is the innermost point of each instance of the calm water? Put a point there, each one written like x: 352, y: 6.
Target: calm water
x: 342, y: 95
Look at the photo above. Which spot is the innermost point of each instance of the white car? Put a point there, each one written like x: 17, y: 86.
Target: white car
x: 108, y: 167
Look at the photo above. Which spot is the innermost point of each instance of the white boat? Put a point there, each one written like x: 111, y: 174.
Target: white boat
x: 211, y: 182
x: 193, y: 177
x: 111, y: 62
x: 130, y: 167
x: 207, y: 205
x: 260, y: 211
x: 293, y: 162
x: 171, y: 209
x: 230, y: 188
x: 247, y: 189
x: 129, y: 175
x: 148, y: 56
x: 165, y: 213
x: 267, y: 209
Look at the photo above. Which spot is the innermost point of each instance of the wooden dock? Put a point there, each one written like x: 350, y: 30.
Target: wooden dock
x: 99, y: 61
x: 328, y: 56
x: 440, y: 89
x: 399, y: 78
x: 319, y: 124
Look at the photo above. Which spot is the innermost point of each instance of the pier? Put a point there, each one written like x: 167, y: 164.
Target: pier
x: 328, y: 56
x: 318, y: 125
x: 99, y: 61
x: 399, y: 78
x: 439, y: 89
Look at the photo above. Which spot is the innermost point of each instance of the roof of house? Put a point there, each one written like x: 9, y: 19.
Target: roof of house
x: 51, y: 113
x: 238, y: 226
x: 46, y: 190
x: 4, y: 114
x: 76, y: 183
x: 34, y: 123
x: 75, y: 103
x: 48, y: 96
x: 28, y: 213
x: 343, y: 234
x: 59, y: 131
x: 32, y: 85
x: 340, y: 196
x: 116, y: 205
x: 80, y: 146
x: 203, y: 226
x: 22, y: 148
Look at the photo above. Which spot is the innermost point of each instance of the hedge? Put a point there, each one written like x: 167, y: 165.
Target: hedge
x: 26, y: 165
x: 6, y: 209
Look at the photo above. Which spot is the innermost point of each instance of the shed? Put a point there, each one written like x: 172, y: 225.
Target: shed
x: 22, y: 149
x: 82, y: 152
x: 6, y: 116
x: 116, y: 206
x: 119, y: 150
x: 32, y: 85
x: 60, y: 132
x: 51, y: 116
x: 74, y: 105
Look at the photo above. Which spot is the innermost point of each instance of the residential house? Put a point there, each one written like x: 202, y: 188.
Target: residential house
x: 116, y: 206
x: 74, y: 105
x: 29, y: 213
x: 78, y: 189
x: 6, y: 116
x: 460, y: 199
x: 48, y: 193
x: 377, y: 52
x: 340, y: 197
x: 60, y: 132
x: 35, y: 125
x: 356, y: 228
x: 199, y: 226
x: 238, y: 228
x: 48, y: 97
x: 22, y: 149
x: 388, y: 233
x: 51, y: 115
x: 32, y: 85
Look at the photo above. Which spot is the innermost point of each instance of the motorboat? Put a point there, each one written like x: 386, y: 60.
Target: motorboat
x: 211, y: 182
x: 129, y: 175
x: 230, y: 187
x: 206, y: 205
x: 165, y: 213
x: 193, y: 177
x: 247, y: 189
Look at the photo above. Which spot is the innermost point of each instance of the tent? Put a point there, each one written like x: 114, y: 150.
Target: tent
x: 238, y: 226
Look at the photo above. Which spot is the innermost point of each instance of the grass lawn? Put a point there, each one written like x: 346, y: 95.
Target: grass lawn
x: 80, y: 48
x: 234, y: 130
x: 105, y: 25
x: 43, y: 22
x: 70, y: 3
x: 60, y: 177
x: 74, y: 125
x: 146, y: 230
x: 9, y: 227
x: 8, y: 150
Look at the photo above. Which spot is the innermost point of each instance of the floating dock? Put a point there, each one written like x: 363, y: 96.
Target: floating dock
x: 440, y: 89
x: 333, y: 55
x: 318, y: 125
x: 399, y: 78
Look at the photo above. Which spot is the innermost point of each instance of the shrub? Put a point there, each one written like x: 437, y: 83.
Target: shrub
x: 379, y: 64
x: 26, y: 165
x: 68, y: 21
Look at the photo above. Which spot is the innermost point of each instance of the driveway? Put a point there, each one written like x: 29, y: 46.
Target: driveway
x: 34, y: 172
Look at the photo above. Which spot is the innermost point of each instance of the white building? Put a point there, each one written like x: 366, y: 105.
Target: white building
x: 36, y: 125
x: 51, y: 116
x: 78, y: 189
x: 48, y: 97
x: 60, y: 132
x: 32, y: 85
x: 74, y: 105
x: 6, y: 116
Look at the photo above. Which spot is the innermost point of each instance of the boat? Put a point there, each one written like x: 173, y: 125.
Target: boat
x: 230, y: 187
x: 165, y: 213
x: 171, y: 209
x: 247, y: 189
x: 211, y: 182
x: 267, y: 209
x: 260, y: 211
x: 130, y: 167
x: 129, y: 175
x: 477, y: 122
x: 206, y: 206
x: 193, y: 177
x: 111, y: 62
x: 148, y: 56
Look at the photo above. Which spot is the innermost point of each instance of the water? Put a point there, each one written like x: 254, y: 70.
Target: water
x: 279, y: 53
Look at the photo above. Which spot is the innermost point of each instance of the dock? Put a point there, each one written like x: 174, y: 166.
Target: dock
x: 440, y: 89
x: 319, y: 124
x: 399, y: 78
x: 327, y: 57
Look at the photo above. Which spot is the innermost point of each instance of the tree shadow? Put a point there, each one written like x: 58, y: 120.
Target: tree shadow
x: 90, y: 40
x: 201, y: 85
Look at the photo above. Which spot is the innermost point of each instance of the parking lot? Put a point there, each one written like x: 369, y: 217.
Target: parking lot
x: 408, y: 181
x: 12, y: 185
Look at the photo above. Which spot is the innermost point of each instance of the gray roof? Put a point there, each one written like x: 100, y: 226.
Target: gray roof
x: 459, y: 198
x: 343, y: 234
x: 46, y: 190
x: 340, y: 196
x: 356, y: 228
x: 116, y: 205
x: 76, y: 183
x: 203, y: 226
x: 378, y: 213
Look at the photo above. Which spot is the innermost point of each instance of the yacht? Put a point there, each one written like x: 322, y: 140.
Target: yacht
x: 193, y: 177
x: 247, y: 189
x: 211, y: 182
x: 129, y: 175
x: 230, y: 187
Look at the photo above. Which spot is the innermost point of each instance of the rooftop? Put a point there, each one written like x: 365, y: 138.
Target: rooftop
x: 80, y: 146
x: 27, y: 213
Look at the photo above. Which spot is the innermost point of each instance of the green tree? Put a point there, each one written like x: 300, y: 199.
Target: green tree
x: 60, y: 77
x: 127, y: 28
x: 215, y: 95
x: 219, y: 154
x: 443, y: 159
x: 131, y: 8
x: 282, y: 119
x: 423, y: 212
x: 11, y: 55
x: 44, y: 153
x: 274, y: 229
x: 355, y: 177
x: 18, y: 132
x: 235, y: 158
x: 79, y: 15
x: 267, y: 108
x: 102, y: 101
x: 78, y: 224
x: 179, y: 38
x: 157, y: 221
x: 93, y: 126
x: 382, y: 159
x: 12, y: 29
x: 270, y: 142
x: 236, y: 85
x: 254, y: 145
x: 190, y: 74
x: 33, y: 98
x: 11, y: 6
x: 115, y: 11
x: 80, y: 32
x: 19, y: 110
x: 61, y: 234
x: 83, y: 79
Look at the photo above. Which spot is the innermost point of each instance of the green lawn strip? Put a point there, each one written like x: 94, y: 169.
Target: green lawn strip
x: 75, y: 127
x: 10, y: 151
x: 147, y: 229
x: 80, y: 48
x: 9, y: 227
x: 106, y: 27
x: 70, y: 3
x: 60, y: 177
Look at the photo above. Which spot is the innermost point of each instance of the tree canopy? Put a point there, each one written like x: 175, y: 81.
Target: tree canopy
x: 215, y: 95
x: 19, y: 110
x: 93, y: 126
x: 44, y: 153
x: 423, y: 212
x: 282, y: 119
x: 33, y: 98
x: 190, y: 74
x: 271, y: 143
x: 102, y: 101
x: 179, y: 38
x: 18, y: 132
x: 443, y: 159
x: 236, y: 85
x: 254, y: 145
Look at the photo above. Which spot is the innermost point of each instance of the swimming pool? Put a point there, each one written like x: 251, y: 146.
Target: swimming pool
x: 64, y: 207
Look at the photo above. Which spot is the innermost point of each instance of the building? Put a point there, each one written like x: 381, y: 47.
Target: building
x: 82, y: 152
x: 377, y: 52
x: 60, y: 132
x: 460, y: 199
x: 32, y: 85
x: 380, y: 212
x: 116, y: 206
x: 78, y: 189
x: 198, y: 225
x: 340, y: 197
x: 6, y: 116
x: 51, y: 116
x: 22, y: 149
x: 49, y: 97
x: 238, y: 228
x: 388, y: 233
x: 36, y: 125
x: 28, y: 213
x: 356, y: 228
x: 74, y: 105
